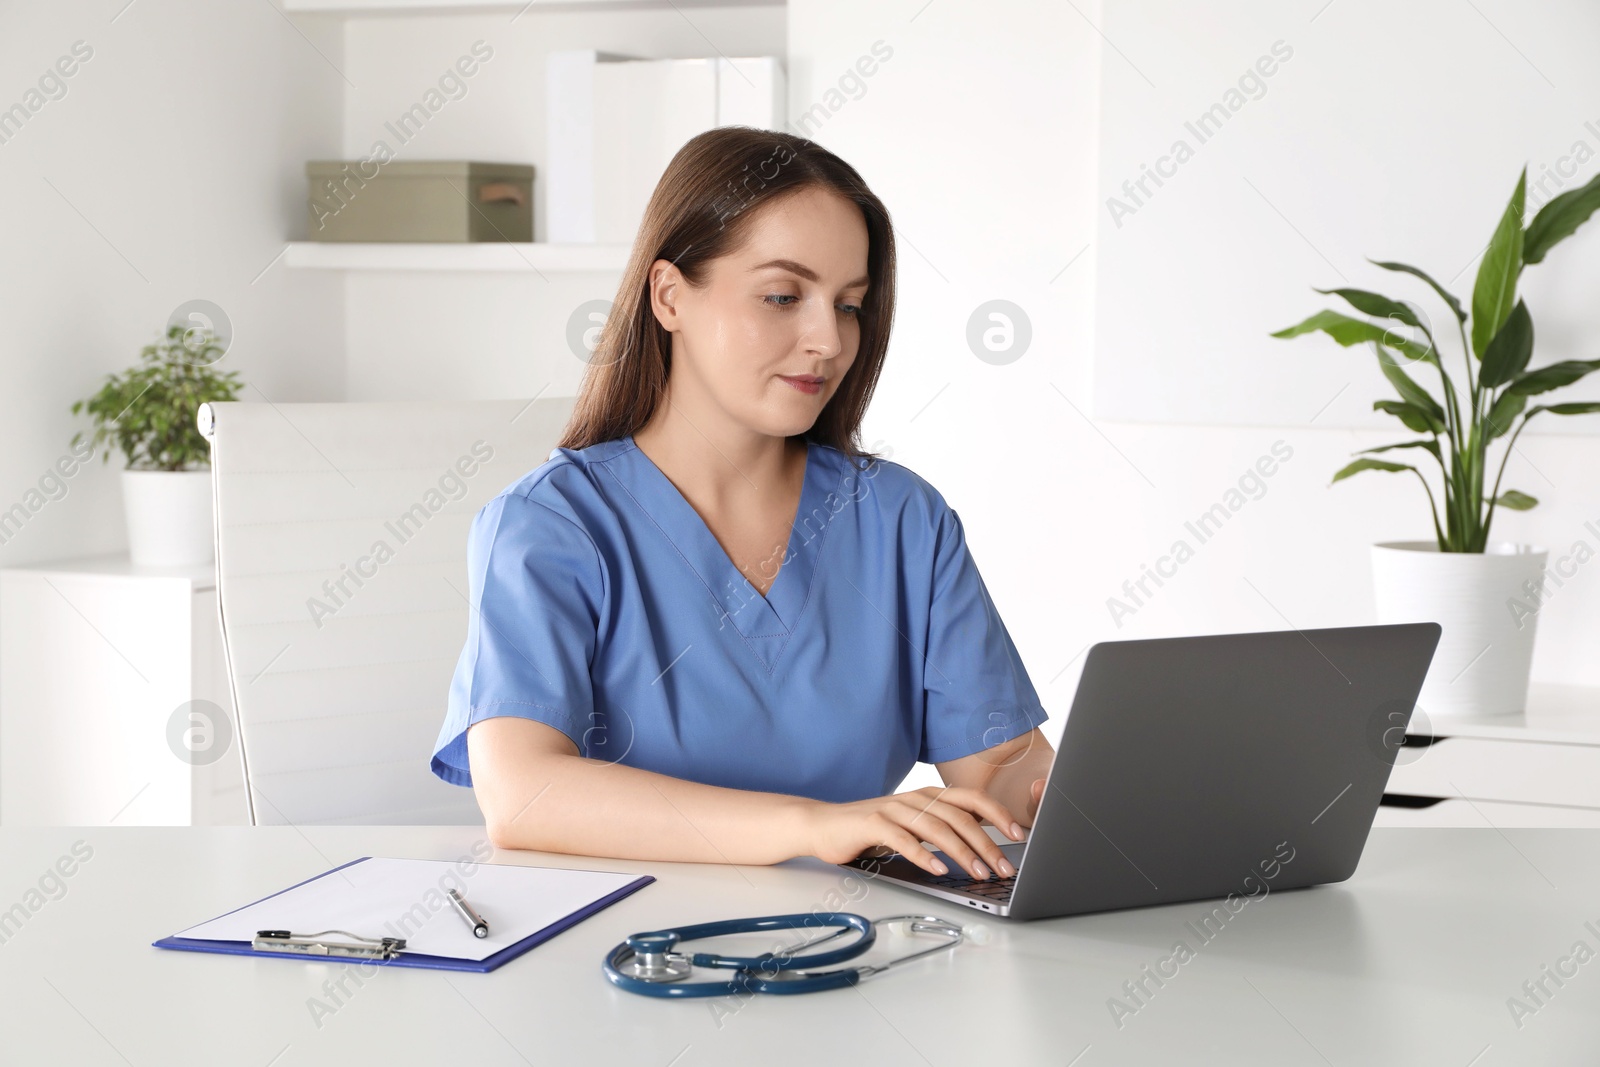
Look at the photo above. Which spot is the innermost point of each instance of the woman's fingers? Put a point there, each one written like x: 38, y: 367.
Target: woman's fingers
x: 949, y: 819
x: 980, y: 803
x: 976, y: 836
x: 939, y: 824
x: 941, y: 834
x: 906, y: 843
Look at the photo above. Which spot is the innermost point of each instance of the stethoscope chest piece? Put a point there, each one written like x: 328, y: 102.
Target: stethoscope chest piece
x: 652, y: 959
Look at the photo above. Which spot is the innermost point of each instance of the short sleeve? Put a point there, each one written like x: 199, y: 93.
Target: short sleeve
x: 978, y: 693
x: 535, y: 593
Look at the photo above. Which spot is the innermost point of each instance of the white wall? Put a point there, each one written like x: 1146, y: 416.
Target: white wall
x: 1343, y: 144
x: 170, y: 170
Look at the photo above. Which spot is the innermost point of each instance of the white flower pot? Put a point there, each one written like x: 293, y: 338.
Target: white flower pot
x: 169, y: 517
x: 1486, y: 647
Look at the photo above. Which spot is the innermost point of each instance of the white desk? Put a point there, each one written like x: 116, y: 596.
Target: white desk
x: 1410, y: 962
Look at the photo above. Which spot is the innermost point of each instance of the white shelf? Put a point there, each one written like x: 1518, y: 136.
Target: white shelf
x: 436, y: 7
x: 203, y: 576
x: 535, y: 257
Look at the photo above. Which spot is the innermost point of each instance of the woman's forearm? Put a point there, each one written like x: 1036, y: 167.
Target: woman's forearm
x: 581, y: 806
x: 537, y: 793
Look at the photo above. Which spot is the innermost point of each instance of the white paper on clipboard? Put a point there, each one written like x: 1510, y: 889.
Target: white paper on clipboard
x: 406, y: 898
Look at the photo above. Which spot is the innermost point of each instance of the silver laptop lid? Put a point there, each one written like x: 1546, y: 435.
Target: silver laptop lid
x: 1197, y: 767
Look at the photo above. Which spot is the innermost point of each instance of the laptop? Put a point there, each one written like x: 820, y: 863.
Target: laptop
x: 1196, y: 768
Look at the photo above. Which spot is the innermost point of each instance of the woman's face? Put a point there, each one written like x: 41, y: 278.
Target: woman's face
x: 767, y: 340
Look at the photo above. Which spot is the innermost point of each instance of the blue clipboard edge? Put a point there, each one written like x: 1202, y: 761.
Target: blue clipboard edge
x: 413, y: 959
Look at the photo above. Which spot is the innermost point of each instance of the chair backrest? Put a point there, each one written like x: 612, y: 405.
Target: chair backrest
x: 341, y: 577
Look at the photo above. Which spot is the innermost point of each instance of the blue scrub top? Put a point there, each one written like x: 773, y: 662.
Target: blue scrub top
x: 604, y: 606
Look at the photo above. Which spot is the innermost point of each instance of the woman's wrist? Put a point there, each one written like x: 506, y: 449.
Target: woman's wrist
x: 799, y: 816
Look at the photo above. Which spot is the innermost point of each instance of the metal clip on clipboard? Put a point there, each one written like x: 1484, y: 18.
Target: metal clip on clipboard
x: 380, y: 948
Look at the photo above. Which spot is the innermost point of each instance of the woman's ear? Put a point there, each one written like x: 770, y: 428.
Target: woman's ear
x: 665, y: 279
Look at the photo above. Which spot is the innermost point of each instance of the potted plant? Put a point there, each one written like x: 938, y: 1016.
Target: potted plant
x: 1483, y: 594
x: 149, y: 412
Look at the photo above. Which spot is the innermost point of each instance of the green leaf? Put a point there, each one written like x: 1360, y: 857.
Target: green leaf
x: 1569, y: 409
x: 1559, y: 218
x: 1510, y: 349
x: 1427, y: 442
x: 1412, y: 416
x: 1563, y: 409
x: 1515, y: 501
x: 1349, y: 331
x: 1503, y: 414
x: 1374, y: 304
x: 1495, y: 289
x: 1551, y: 377
x: 1410, y: 391
x: 1455, y: 305
x: 1369, y: 465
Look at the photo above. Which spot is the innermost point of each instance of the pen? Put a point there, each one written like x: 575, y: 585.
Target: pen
x: 473, y: 919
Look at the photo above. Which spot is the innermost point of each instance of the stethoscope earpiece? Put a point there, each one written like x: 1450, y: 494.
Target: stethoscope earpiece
x: 645, y: 963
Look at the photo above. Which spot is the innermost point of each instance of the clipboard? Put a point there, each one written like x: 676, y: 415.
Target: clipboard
x: 524, y: 906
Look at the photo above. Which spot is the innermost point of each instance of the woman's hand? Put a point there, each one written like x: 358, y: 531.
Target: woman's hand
x: 945, y: 817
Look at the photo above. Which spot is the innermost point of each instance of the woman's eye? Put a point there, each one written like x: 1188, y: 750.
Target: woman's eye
x: 772, y: 300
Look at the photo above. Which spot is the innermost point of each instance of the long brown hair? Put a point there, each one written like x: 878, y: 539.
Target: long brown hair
x: 702, y: 209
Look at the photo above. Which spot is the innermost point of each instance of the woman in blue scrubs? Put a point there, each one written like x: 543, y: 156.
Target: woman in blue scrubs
x: 712, y: 627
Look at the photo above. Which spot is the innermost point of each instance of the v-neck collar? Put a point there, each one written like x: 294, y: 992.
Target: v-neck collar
x: 766, y: 622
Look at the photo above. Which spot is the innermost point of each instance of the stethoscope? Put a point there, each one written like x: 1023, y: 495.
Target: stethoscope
x: 646, y: 963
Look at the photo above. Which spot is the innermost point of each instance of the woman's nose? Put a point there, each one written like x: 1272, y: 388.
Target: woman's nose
x: 822, y: 334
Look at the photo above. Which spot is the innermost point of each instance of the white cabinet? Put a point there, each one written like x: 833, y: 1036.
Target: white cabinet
x: 114, y: 705
x: 1540, y: 768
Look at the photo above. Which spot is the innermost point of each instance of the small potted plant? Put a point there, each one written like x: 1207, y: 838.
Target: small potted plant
x: 149, y: 412
x: 1485, y: 595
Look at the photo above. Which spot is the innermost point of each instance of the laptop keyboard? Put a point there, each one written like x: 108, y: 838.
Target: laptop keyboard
x: 995, y: 889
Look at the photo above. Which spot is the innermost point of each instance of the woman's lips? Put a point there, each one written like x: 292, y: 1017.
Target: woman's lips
x: 808, y: 385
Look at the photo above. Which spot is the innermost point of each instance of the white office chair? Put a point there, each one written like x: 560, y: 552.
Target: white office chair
x: 341, y: 577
